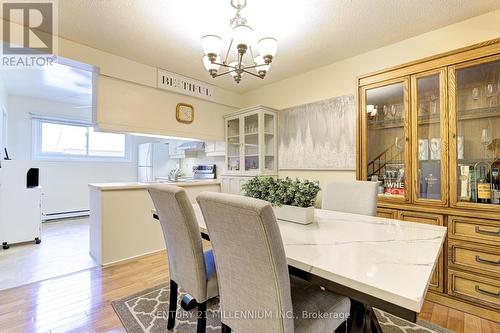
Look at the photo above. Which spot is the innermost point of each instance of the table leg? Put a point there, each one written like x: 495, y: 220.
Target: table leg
x: 363, y: 319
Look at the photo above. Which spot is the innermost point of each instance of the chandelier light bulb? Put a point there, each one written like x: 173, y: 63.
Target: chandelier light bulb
x: 261, y: 67
x: 212, y: 45
x: 267, y: 48
x: 211, y: 67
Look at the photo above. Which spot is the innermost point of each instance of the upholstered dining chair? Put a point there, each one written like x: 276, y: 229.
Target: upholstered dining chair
x: 356, y: 197
x: 256, y: 291
x: 189, y: 267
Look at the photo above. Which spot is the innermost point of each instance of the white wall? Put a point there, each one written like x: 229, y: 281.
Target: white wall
x: 65, y: 184
x: 339, y: 78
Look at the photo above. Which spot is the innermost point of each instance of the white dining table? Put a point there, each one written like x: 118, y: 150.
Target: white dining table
x: 377, y: 262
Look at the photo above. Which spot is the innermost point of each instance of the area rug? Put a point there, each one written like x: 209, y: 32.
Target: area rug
x: 147, y: 312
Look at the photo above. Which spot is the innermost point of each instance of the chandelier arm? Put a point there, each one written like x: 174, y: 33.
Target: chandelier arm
x: 260, y: 77
x: 221, y: 74
x: 223, y: 65
x: 254, y: 66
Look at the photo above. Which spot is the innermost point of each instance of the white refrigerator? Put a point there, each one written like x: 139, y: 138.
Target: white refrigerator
x: 152, y: 161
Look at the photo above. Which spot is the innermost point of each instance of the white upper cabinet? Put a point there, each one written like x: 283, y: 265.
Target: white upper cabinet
x: 251, y: 142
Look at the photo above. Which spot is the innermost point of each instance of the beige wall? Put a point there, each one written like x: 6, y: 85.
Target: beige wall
x: 339, y: 78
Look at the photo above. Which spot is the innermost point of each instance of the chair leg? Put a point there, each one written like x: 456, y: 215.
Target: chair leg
x: 172, y: 307
x: 202, y: 317
x: 225, y: 328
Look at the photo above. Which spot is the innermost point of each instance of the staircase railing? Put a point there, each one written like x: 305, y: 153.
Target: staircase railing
x: 379, y: 163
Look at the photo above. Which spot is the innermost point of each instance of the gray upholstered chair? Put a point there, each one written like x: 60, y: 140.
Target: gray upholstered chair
x: 189, y: 267
x: 253, y: 272
x: 356, y: 197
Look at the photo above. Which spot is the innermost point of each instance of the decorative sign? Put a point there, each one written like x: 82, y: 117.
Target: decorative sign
x: 184, y: 85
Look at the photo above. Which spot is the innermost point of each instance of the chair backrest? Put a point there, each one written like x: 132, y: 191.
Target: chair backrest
x: 182, y: 239
x: 355, y: 197
x: 251, y: 264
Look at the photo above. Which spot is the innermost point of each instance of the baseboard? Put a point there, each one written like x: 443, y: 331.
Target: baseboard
x: 65, y: 215
x: 126, y: 260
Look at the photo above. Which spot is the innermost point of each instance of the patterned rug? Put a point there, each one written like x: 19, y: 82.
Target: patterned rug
x: 147, y: 312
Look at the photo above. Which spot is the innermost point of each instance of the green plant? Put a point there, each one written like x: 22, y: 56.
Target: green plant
x: 300, y: 193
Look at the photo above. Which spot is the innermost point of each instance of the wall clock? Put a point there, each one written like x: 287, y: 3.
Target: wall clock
x: 184, y: 113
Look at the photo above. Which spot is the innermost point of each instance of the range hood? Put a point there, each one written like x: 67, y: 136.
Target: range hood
x: 192, y: 146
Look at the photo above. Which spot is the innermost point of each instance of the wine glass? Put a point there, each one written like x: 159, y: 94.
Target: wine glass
x: 393, y: 111
x: 490, y: 93
x: 485, y: 140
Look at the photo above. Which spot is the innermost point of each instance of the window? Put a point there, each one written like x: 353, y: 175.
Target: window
x: 71, y: 140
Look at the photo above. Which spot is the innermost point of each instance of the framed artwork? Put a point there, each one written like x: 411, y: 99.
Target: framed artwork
x: 319, y: 135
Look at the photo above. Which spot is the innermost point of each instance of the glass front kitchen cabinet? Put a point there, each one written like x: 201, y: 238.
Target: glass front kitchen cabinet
x: 252, y: 142
x: 474, y: 93
x: 385, y: 147
x: 429, y: 137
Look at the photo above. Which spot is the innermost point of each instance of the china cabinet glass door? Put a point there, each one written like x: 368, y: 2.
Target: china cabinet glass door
x: 386, y: 144
x: 430, y: 137
x: 233, y: 142
x: 269, y: 142
x: 251, y: 142
x: 475, y: 133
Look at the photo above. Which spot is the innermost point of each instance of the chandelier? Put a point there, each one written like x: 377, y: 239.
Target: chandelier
x: 243, y: 38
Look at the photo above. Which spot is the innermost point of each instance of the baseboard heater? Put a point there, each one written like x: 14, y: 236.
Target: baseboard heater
x: 65, y: 215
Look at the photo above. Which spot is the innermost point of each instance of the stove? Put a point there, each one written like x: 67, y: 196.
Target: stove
x: 204, y: 171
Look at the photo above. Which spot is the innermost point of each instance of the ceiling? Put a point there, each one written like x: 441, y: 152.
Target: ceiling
x: 57, y: 83
x: 310, y: 33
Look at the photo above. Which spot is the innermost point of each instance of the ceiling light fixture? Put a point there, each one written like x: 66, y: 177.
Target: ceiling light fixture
x: 243, y: 38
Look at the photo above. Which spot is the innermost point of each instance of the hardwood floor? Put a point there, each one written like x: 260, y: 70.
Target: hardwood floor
x: 64, y: 249
x: 81, y: 302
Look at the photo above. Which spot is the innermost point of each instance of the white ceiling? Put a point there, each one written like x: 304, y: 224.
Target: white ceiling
x: 310, y: 33
x: 57, y: 83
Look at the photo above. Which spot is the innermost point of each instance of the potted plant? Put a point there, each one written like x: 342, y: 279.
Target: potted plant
x: 292, y: 200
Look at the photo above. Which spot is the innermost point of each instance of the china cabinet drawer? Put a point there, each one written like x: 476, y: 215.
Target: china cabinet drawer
x: 386, y: 213
x: 436, y: 283
x: 474, y: 288
x: 426, y: 218
x: 475, y: 230
x: 483, y: 259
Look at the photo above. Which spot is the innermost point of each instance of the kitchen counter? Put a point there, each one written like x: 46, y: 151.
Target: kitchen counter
x: 121, y: 225
x: 137, y: 185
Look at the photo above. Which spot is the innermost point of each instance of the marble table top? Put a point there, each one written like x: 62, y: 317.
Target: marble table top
x: 389, y: 259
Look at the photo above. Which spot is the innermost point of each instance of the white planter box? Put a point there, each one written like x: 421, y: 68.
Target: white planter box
x: 295, y: 214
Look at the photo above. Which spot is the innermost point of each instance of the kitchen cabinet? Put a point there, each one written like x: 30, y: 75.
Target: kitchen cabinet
x: 251, y: 142
x: 215, y: 148
x: 429, y: 133
x: 173, y: 149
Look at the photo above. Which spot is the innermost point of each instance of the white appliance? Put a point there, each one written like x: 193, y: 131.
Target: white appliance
x: 20, y: 202
x: 152, y: 161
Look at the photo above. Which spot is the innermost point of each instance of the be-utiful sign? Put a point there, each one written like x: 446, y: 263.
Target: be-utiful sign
x: 184, y: 85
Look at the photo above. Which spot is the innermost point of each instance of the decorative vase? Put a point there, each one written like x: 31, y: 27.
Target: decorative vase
x: 294, y: 214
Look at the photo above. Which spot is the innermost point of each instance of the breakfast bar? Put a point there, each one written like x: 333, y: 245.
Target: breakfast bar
x: 120, y: 219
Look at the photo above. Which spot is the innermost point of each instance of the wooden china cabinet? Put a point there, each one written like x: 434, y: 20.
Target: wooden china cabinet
x: 429, y: 134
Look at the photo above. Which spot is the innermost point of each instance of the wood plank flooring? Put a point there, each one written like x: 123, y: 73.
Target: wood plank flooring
x: 64, y: 249
x: 81, y: 302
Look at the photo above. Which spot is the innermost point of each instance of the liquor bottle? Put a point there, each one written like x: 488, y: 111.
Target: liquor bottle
x: 495, y: 186
x: 483, y: 186
x: 473, y: 184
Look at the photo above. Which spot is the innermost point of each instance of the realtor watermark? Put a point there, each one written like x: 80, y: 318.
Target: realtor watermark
x: 258, y: 315
x: 29, y: 33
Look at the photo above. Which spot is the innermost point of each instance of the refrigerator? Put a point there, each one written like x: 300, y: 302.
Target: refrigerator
x: 152, y: 161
